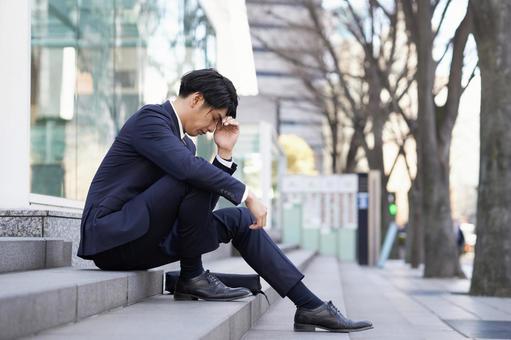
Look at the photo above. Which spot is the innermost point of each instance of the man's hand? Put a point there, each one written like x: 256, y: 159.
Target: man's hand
x: 257, y: 209
x: 226, y: 135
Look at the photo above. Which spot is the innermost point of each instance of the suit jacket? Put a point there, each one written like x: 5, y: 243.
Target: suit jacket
x: 147, y: 147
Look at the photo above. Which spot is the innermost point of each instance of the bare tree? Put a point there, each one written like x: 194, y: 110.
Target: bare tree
x: 435, y: 125
x: 492, y: 265
x: 347, y: 78
x: 379, y: 33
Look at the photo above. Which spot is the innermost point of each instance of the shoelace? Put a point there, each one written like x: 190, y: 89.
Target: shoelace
x: 212, y: 278
x: 333, y: 308
x: 347, y: 322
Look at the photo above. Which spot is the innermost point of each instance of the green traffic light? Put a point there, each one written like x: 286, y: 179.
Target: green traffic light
x: 392, y: 209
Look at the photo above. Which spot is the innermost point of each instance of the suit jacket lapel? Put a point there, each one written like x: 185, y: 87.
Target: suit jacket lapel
x: 173, y: 118
x: 189, y: 144
x: 186, y: 140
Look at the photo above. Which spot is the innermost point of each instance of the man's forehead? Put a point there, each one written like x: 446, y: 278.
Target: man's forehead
x: 222, y: 112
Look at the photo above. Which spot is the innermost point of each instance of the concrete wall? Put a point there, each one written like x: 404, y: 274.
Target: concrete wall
x: 15, y: 99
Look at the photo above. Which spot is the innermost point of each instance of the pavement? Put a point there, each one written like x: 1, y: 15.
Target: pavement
x: 401, y: 304
x: 322, y: 277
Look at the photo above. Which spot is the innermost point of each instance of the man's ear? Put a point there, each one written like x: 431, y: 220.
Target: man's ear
x: 197, y: 100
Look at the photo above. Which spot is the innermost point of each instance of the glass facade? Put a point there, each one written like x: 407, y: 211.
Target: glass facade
x: 93, y: 64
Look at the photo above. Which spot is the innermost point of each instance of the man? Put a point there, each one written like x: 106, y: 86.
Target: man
x: 151, y: 203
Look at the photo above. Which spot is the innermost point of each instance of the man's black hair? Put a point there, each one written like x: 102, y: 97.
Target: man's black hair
x: 217, y: 90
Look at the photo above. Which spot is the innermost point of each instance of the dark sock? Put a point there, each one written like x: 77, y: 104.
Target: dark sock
x: 303, y: 297
x: 191, y: 267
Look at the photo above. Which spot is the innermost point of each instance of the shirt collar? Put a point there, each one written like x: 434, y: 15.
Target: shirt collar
x: 181, y: 131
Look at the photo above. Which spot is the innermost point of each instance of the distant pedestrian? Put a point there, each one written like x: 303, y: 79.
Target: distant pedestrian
x: 460, y: 241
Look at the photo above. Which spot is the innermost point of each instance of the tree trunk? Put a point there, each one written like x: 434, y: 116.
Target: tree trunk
x: 375, y: 158
x: 355, y: 144
x: 492, y: 265
x: 441, y: 258
x: 414, y: 233
x: 415, y: 217
x: 335, y: 147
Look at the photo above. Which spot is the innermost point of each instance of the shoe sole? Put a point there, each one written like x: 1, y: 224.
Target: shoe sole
x: 191, y: 297
x: 299, y: 327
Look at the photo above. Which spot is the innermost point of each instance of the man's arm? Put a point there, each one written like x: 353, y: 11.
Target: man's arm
x: 229, y: 167
x: 226, y: 136
x: 152, y: 137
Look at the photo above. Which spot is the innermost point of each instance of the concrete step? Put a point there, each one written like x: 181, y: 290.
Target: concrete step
x: 29, y: 253
x: 161, y: 317
x: 285, y: 247
x: 323, y: 278
x: 32, y: 301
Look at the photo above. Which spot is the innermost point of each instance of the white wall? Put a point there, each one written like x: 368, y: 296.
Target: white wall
x: 14, y: 103
x: 234, y: 46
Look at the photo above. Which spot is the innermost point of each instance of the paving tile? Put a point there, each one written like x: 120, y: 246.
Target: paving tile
x: 395, y: 314
x: 483, y: 328
x: 502, y: 304
x: 479, y: 307
x: 322, y: 277
x: 444, y: 308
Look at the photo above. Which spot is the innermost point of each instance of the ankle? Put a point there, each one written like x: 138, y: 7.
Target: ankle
x: 191, y: 267
x: 302, y: 297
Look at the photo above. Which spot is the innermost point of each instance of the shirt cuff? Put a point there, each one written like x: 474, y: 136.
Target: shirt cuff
x: 224, y: 162
x: 245, y: 195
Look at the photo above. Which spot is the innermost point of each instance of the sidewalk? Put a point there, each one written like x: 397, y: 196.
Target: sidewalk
x: 400, y: 303
x: 322, y: 277
x: 403, y: 305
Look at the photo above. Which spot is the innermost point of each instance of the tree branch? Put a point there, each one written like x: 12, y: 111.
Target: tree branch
x: 455, y: 75
x: 411, y: 19
x: 442, y: 18
x: 472, y: 75
x: 447, y: 46
x: 312, y: 10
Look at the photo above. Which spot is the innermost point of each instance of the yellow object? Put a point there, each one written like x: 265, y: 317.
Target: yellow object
x: 300, y: 157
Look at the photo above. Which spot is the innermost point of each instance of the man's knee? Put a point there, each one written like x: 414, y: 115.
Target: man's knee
x: 234, y: 222
x: 246, y: 217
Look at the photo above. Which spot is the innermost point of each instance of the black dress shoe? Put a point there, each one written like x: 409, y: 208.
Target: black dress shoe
x: 327, y: 317
x: 207, y: 286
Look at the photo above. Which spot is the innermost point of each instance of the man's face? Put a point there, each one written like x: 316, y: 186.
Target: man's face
x: 204, y: 118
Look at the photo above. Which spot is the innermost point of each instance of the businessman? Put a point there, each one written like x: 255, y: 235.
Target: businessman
x: 151, y: 202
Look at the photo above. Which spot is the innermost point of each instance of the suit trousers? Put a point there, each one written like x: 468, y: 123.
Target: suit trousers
x: 186, y: 212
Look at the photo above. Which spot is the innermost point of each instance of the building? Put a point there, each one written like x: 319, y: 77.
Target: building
x: 73, y: 71
x: 283, y: 101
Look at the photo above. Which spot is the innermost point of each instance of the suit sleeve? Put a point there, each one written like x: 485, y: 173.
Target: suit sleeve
x: 153, y: 138
x: 230, y: 171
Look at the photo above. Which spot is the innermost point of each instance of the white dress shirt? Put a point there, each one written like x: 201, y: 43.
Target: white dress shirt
x: 222, y: 161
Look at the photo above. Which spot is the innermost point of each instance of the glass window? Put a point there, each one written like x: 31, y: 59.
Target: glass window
x: 94, y: 63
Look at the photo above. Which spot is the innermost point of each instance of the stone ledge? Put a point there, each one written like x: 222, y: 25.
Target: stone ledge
x: 40, y: 213
x: 161, y: 317
x: 29, y: 253
x: 36, y: 300
x: 44, y: 223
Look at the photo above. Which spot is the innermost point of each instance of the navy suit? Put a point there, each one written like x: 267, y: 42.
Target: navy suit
x: 151, y: 202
